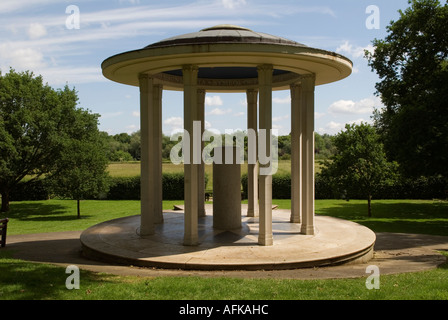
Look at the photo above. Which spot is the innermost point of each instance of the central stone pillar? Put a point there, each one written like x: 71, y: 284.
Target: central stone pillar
x: 265, y: 75
x: 227, y: 190
x: 191, y: 166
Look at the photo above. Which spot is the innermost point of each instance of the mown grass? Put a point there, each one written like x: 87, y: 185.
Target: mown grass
x: 404, y: 216
x: 22, y: 280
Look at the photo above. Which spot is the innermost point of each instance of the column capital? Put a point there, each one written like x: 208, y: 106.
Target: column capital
x: 252, y: 96
x: 190, y: 67
x: 265, y: 67
x: 190, y: 74
x: 265, y: 74
x: 144, y: 81
x: 308, y: 82
x: 295, y: 90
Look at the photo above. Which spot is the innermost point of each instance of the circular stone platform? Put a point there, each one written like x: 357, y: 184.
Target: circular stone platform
x: 336, y: 241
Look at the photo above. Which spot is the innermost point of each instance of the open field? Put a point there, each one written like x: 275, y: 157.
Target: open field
x: 131, y: 169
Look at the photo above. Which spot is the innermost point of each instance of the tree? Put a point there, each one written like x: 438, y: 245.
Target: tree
x: 412, y: 63
x: 360, y: 163
x: 31, y: 121
x: 37, y: 126
x: 81, y: 171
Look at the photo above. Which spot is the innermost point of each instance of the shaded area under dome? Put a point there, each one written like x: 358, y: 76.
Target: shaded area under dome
x: 227, y: 73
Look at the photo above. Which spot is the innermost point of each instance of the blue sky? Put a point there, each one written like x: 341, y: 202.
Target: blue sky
x: 34, y: 36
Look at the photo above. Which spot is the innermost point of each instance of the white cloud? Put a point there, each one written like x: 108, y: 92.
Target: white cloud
x: 333, y: 127
x: 284, y: 100
x: 243, y: 102
x: 136, y: 114
x: 131, y: 127
x: 219, y: 112
x: 21, y: 58
x: 213, y: 101
x: 363, y: 106
x: 233, y: 4
x: 352, y: 50
x: 129, y: 1
x: 174, y: 122
x: 280, y: 118
x: 318, y: 115
x: 239, y: 114
x: 174, y: 125
x: 36, y: 30
x: 7, y: 6
x: 70, y: 75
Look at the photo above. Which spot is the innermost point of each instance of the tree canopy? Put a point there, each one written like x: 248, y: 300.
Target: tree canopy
x: 412, y: 63
x: 359, y: 163
x: 38, y: 126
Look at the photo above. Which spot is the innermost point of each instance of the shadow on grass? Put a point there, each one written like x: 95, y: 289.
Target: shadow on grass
x: 43, y: 211
x: 22, y: 280
x: 394, y: 216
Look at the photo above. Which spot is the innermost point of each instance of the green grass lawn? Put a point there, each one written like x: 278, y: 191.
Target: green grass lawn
x: 26, y: 280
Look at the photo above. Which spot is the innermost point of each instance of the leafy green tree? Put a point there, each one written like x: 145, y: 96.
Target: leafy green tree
x: 135, y: 145
x: 37, y: 126
x: 412, y: 63
x: 324, y: 146
x: 81, y: 172
x: 120, y: 156
x: 359, y: 163
x: 31, y: 123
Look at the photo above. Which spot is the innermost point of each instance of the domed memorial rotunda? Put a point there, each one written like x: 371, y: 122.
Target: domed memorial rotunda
x: 228, y: 58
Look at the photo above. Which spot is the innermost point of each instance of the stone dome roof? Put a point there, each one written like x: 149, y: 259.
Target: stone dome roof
x: 227, y: 57
x: 224, y: 33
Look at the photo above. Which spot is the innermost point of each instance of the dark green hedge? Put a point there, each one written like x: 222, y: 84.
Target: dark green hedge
x: 173, y: 189
x: 421, y: 189
x: 120, y: 188
x: 129, y: 188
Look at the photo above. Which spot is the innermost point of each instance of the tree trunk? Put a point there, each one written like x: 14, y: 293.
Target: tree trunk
x: 369, y: 205
x: 79, y: 209
x: 5, y: 201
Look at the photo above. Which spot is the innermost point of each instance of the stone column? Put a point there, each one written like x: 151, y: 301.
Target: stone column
x: 201, y: 117
x: 265, y: 75
x: 296, y: 153
x: 308, y: 87
x: 252, y: 167
x: 157, y: 162
x: 151, y: 156
x: 191, y: 170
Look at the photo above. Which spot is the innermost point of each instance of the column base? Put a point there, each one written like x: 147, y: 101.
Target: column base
x: 307, y: 230
x: 266, y: 241
x: 252, y: 213
x: 142, y: 232
x: 295, y: 220
x: 190, y: 242
x: 159, y: 219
